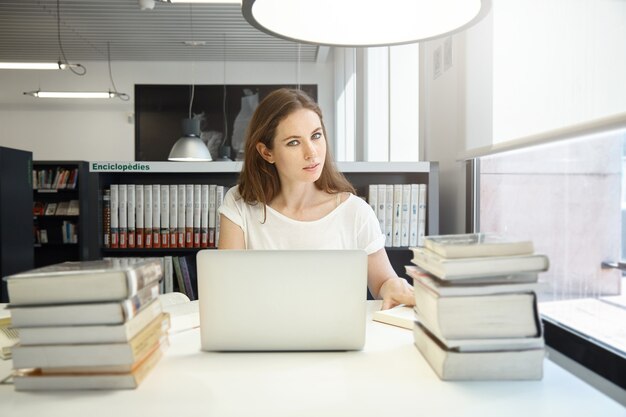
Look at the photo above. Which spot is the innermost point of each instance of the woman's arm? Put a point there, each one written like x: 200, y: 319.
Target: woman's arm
x: 231, y: 235
x: 384, y: 283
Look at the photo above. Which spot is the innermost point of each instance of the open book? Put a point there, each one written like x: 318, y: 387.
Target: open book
x: 184, y: 314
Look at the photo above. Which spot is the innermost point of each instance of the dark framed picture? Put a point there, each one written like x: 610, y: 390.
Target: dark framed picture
x: 223, y: 111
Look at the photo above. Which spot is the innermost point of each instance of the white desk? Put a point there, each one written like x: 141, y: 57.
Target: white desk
x: 389, y: 377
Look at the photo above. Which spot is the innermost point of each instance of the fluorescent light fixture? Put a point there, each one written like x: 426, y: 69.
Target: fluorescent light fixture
x: 203, y: 1
x: 37, y: 65
x: 73, y: 94
x: 189, y: 147
x: 358, y: 23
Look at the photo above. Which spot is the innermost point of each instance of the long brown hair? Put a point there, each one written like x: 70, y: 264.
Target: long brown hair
x: 259, y: 181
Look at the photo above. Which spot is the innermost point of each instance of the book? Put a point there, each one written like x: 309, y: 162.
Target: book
x: 103, y: 280
x: 396, y: 218
x: 453, y: 365
x: 413, y: 214
x: 179, y: 274
x: 184, y: 268
x: 184, y: 314
x: 173, y: 234
x: 477, y: 285
x: 219, y: 199
x: 406, y: 215
x: 212, y: 213
x: 36, y: 380
x: 123, y: 215
x: 100, y: 354
x: 477, y: 244
x: 114, y: 204
x: 399, y: 316
x: 189, y: 215
x: 130, y: 214
x: 147, y: 216
x: 51, y: 209
x: 165, y: 215
x: 156, y: 215
x: 104, y: 333
x: 74, y: 208
x: 464, y: 268
x: 197, y: 199
x: 84, y: 313
x: 421, y: 214
x: 139, y: 216
x: 182, y: 198
x: 507, y: 314
x: 63, y: 208
x: 9, y: 336
x: 204, y: 215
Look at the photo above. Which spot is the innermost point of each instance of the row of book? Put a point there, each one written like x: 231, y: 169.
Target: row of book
x: 401, y: 212
x: 87, y: 325
x: 55, y: 179
x: 162, y: 215
x: 179, y: 273
x: 476, y: 315
x: 68, y: 233
x: 61, y: 208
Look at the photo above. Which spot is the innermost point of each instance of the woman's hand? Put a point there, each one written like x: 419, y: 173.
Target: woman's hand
x: 396, y: 291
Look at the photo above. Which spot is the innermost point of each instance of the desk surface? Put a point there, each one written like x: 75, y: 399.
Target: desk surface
x: 389, y: 377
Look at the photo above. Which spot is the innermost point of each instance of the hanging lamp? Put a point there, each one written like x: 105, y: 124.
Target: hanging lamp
x: 360, y: 23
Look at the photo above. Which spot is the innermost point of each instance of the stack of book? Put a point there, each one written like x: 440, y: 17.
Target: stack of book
x: 87, y: 325
x: 476, y: 307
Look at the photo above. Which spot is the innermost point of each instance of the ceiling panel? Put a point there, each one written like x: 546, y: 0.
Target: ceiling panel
x: 28, y: 32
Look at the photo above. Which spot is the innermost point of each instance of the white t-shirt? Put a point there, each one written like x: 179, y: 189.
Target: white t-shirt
x: 351, y: 225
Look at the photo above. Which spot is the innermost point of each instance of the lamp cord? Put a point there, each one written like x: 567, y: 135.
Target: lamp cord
x: 225, y: 138
x: 193, y: 84
x: 121, y: 96
x: 70, y: 66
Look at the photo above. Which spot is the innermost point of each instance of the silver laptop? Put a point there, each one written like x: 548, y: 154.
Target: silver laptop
x: 258, y: 300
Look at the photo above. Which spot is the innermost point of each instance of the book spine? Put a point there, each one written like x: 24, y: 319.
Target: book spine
x: 197, y: 198
x: 156, y: 216
x: 173, y: 215
x: 181, y: 216
x: 404, y: 221
x: 106, y: 218
x: 186, y: 278
x: 372, y: 197
x: 123, y: 228
x: 219, y: 199
x: 139, y: 215
x: 413, y: 214
x: 131, y: 215
x: 204, y: 216
x: 168, y: 274
x: 211, y: 212
x: 381, y: 191
x: 189, y: 215
x: 421, y: 227
x: 179, y: 275
x: 389, y: 215
x: 165, y: 215
x: 147, y: 204
x: 397, y: 214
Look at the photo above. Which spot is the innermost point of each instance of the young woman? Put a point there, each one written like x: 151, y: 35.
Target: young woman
x: 291, y: 196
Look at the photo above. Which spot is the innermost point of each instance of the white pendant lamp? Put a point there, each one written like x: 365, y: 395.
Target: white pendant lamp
x: 190, y: 147
x: 360, y: 23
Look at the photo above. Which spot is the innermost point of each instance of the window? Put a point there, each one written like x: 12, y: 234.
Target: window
x: 568, y: 198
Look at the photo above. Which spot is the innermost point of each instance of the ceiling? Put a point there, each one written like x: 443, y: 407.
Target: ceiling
x: 28, y: 32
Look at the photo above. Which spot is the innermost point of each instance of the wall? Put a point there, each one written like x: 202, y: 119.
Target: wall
x: 456, y: 111
x: 72, y: 129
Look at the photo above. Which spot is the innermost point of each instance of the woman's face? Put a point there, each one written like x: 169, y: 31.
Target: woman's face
x: 299, y: 147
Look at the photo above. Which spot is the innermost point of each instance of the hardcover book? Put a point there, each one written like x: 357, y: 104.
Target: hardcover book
x: 84, y: 314
x: 465, y: 268
x: 82, y: 355
x: 453, y: 365
x: 36, y: 380
x: 104, y: 333
x: 477, y: 244
x: 103, y: 280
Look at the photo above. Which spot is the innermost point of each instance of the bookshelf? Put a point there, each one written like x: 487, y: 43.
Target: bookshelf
x: 62, y: 233
x: 16, y: 202
x: 360, y: 174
